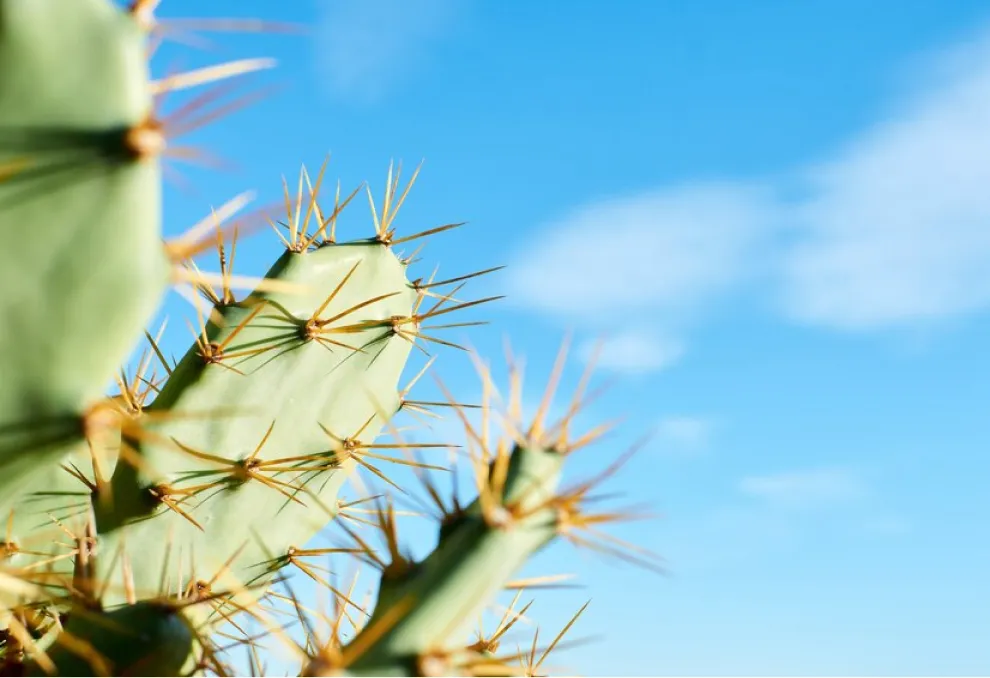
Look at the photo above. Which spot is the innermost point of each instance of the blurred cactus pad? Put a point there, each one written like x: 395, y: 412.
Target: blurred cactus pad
x: 165, y: 517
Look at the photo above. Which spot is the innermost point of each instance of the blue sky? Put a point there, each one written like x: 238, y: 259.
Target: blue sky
x: 776, y: 214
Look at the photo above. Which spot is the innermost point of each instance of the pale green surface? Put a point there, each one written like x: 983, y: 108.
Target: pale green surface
x: 52, y: 495
x: 298, y: 385
x: 81, y: 262
x: 470, y: 566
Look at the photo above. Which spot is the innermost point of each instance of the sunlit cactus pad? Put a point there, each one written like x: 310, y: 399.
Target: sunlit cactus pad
x: 80, y: 218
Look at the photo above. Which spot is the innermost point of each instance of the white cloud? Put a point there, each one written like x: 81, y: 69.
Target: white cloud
x: 807, y: 488
x: 628, y: 258
x: 891, y: 229
x: 685, y: 431
x: 366, y: 46
x: 898, y: 228
x: 633, y: 352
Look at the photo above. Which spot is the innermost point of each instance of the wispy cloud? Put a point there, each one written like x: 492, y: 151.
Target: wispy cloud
x: 625, y: 258
x: 777, y: 513
x: 889, y: 230
x: 633, y: 351
x: 625, y: 262
x: 366, y: 47
x: 898, y: 228
x: 805, y: 488
x: 683, y: 432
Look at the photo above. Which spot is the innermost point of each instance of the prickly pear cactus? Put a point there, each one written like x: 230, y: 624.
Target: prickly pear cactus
x: 146, y: 530
x: 83, y: 266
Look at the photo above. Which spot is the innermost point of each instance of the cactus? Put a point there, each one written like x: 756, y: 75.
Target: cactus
x: 147, y: 526
x: 79, y: 182
x: 425, y: 609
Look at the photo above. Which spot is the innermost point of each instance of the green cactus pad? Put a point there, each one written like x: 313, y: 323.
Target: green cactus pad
x: 473, y: 561
x: 143, y: 639
x: 82, y: 266
x: 36, y: 521
x: 273, y: 385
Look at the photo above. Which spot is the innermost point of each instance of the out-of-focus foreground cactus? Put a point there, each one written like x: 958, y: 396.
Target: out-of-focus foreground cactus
x: 145, y: 529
